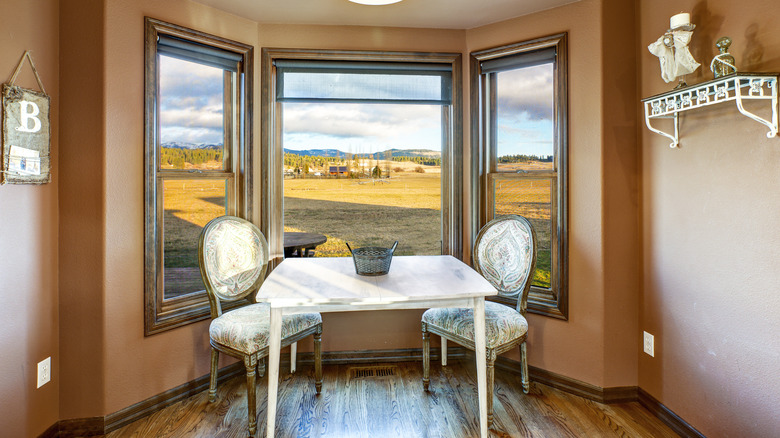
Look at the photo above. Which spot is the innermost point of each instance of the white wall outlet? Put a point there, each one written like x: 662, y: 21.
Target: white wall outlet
x: 44, y: 371
x: 649, y: 344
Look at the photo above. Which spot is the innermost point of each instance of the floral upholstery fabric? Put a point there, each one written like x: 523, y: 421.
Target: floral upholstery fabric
x: 502, y: 324
x: 504, y: 255
x: 234, y: 256
x: 247, y: 329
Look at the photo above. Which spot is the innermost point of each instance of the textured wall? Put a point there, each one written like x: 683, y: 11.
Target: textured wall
x: 29, y: 239
x: 137, y: 367
x: 82, y: 208
x: 603, y: 274
x: 711, y: 258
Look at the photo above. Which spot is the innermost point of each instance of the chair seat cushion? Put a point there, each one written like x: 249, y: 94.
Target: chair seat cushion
x: 502, y: 324
x: 247, y: 329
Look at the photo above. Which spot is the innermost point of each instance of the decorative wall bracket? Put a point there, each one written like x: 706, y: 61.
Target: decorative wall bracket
x: 739, y: 87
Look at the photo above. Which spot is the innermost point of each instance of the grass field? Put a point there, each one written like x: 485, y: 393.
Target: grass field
x: 189, y: 206
x: 532, y: 200
x: 407, y: 208
x: 366, y: 212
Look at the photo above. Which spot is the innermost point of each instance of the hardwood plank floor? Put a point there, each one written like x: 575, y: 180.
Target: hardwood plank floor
x: 353, y: 406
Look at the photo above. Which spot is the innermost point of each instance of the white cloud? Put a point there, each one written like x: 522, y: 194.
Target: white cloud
x: 379, y: 121
x: 526, y: 93
x: 361, y: 128
x: 191, y: 100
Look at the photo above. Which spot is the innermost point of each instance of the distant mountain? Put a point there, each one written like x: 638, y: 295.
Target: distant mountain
x: 412, y: 153
x: 318, y: 153
x: 377, y: 155
x: 184, y: 145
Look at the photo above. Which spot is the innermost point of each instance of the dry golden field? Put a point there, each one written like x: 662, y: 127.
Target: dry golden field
x: 363, y: 212
x: 366, y: 212
x: 189, y: 206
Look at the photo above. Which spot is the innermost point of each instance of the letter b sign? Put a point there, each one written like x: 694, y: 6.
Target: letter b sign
x: 28, y: 112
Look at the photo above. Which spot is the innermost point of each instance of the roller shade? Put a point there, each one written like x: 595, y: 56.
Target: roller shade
x: 519, y: 60
x: 363, y: 82
x: 196, y: 52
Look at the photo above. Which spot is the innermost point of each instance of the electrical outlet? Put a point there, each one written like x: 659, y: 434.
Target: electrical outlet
x: 44, y: 371
x: 649, y: 344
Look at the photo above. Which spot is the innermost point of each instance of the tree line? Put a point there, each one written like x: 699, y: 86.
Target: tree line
x: 525, y: 158
x: 301, y: 161
x: 178, y: 157
x: 427, y: 161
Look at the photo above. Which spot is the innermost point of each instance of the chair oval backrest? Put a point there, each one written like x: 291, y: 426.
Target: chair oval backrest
x: 505, y: 254
x: 233, y: 256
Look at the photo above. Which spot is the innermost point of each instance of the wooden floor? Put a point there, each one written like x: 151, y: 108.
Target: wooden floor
x: 352, y: 405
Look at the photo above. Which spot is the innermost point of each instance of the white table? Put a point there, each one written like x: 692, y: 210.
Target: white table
x: 331, y: 285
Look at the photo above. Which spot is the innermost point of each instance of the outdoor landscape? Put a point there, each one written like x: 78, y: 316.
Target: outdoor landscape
x: 365, y: 200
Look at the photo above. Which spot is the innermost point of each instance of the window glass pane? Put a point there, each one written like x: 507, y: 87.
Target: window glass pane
x: 530, y: 198
x: 357, y: 86
x: 188, y: 206
x: 525, y: 119
x: 191, y: 103
x: 366, y: 174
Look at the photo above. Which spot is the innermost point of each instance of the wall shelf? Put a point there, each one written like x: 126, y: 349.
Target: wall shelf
x: 739, y: 87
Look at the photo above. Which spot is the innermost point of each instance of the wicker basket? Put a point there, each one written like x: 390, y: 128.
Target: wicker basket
x: 372, y: 260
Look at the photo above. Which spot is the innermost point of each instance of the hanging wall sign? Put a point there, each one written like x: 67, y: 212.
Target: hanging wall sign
x: 26, y: 132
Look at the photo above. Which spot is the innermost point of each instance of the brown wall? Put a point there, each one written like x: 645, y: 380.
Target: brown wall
x: 711, y: 259
x: 138, y: 367
x: 132, y: 367
x: 602, y: 184
x: 29, y: 239
x: 82, y: 209
x: 620, y: 187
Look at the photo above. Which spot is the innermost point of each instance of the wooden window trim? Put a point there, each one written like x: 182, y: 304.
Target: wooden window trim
x: 159, y: 314
x: 272, y: 216
x: 552, y: 303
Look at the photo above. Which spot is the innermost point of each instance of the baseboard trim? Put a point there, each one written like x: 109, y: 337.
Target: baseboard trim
x: 616, y: 394
x: 374, y: 356
x: 153, y: 404
x: 668, y: 417
x: 96, y: 426
x: 52, y: 432
x: 76, y: 428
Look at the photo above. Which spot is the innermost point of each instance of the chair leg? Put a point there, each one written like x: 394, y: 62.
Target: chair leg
x: 426, y: 336
x: 491, y: 372
x: 293, y: 356
x: 318, y: 360
x: 444, y: 352
x: 524, y: 365
x: 213, y: 376
x: 250, y: 362
x: 261, y: 367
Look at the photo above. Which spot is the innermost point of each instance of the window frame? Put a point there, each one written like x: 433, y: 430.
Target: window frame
x: 554, y: 302
x: 271, y: 205
x: 164, y: 314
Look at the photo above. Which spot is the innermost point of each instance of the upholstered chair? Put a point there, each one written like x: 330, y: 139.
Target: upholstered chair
x: 505, y: 254
x: 233, y: 256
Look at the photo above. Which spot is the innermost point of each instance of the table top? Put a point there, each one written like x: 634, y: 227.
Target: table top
x: 332, y: 280
x: 296, y: 240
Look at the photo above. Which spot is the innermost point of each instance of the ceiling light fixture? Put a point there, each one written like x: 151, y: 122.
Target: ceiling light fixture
x: 375, y: 2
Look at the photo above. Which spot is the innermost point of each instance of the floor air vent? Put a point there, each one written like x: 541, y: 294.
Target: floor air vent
x: 369, y: 372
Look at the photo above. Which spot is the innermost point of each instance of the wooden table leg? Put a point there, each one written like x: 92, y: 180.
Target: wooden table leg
x: 479, y: 344
x: 274, y: 345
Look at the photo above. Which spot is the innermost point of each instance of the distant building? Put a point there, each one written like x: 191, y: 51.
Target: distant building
x: 338, y: 170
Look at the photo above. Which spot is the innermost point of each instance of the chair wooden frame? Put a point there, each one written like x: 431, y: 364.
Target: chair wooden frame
x: 251, y: 361
x: 492, y: 353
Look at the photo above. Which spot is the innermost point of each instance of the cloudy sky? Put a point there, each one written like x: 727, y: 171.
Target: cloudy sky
x: 525, y: 111
x: 190, y: 102
x: 191, y: 111
x: 361, y: 128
